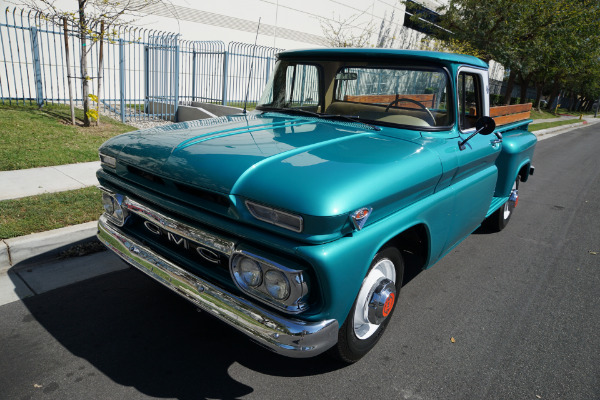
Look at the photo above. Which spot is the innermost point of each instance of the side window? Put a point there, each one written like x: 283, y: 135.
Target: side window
x: 470, y: 105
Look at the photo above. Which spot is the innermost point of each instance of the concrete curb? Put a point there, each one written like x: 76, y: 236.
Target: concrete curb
x: 26, y: 248
x: 564, y: 128
x: 4, y: 257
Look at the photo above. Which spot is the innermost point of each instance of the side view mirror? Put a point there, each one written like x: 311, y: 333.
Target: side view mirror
x: 484, y: 126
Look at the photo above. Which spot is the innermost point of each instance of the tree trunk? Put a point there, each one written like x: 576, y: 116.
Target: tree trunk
x: 554, y: 92
x: 68, y: 60
x: 524, y: 82
x: 509, y: 86
x: 84, y: 75
x: 100, y: 62
x: 538, y: 94
x: 572, y: 100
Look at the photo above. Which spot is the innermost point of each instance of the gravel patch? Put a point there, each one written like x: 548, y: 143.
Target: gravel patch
x: 147, y: 123
x: 144, y: 122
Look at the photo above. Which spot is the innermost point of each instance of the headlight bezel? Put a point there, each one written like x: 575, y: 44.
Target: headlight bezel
x: 115, y: 201
x: 107, y: 160
x: 296, y: 301
x: 274, y: 216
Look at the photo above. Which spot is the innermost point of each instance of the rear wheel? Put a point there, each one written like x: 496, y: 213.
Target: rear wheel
x: 499, y: 219
x: 372, y: 308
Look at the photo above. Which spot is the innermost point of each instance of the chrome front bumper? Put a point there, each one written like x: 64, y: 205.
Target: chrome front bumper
x: 287, y: 336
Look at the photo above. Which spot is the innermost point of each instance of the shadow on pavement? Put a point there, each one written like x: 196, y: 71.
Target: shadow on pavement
x: 139, y: 334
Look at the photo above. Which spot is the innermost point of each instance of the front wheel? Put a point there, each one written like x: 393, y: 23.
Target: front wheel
x: 372, y: 308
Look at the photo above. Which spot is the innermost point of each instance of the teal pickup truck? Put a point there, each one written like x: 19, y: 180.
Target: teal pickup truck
x: 294, y: 223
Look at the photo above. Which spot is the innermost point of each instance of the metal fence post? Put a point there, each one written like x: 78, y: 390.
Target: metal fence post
x: 225, y: 72
x: 267, y: 69
x: 146, y: 81
x: 176, y: 83
x: 122, y: 78
x: 35, y: 46
x: 194, y: 75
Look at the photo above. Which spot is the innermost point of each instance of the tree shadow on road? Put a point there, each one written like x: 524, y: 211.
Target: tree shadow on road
x: 139, y: 334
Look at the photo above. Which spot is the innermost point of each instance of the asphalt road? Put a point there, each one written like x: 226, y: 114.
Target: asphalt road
x: 522, y: 305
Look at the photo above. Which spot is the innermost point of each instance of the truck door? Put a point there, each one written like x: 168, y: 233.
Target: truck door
x: 476, y: 174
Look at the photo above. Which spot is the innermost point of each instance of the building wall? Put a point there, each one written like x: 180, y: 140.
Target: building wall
x: 288, y: 24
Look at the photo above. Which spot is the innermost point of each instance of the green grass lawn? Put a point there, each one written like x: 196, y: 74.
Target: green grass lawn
x: 542, y: 114
x: 544, y: 125
x: 48, y: 211
x: 31, y: 137
x: 565, y: 111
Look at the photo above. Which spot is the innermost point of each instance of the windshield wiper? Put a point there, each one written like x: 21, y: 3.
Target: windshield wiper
x: 351, y: 118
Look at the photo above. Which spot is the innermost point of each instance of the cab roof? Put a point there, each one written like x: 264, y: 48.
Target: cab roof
x: 390, y: 54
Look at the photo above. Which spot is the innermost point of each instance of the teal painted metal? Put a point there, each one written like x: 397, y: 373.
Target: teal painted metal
x: 517, y: 152
x: 431, y: 57
x: 323, y: 170
x: 497, y: 202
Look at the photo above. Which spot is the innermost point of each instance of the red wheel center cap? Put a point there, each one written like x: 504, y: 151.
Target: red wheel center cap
x: 388, y: 305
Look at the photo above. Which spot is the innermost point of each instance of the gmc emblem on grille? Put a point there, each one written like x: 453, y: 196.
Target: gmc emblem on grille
x: 179, y: 241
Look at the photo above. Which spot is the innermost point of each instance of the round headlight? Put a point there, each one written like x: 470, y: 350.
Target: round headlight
x: 108, y: 203
x: 277, y: 285
x: 119, y: 214
x: 250, y: 272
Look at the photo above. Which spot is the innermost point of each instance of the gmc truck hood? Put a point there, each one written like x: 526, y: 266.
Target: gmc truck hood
x: 308, y: 165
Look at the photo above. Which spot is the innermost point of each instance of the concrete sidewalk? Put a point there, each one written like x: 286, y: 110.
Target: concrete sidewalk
x: 29, y: 251
x: 30, y: 182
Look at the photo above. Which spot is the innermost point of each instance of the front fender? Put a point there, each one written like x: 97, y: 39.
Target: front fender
x: 341, y: 265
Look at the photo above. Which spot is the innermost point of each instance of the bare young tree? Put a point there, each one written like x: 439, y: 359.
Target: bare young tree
x: 347, y: 32
x: 94, y: 22
x: 389, y: 31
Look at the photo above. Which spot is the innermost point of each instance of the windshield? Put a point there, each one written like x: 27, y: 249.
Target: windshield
x: 292, y: 85
x: 414, y: 97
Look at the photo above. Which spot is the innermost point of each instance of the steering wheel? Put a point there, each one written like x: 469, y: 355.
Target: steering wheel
x: 400, y: 99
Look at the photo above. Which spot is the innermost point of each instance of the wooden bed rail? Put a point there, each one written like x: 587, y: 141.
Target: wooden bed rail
x: 506, y: 114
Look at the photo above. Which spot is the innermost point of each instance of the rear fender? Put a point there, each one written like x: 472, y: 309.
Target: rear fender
x: 514, y: 160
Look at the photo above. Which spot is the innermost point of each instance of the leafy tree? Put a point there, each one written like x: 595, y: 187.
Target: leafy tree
x: 94, y: 21
x: 541, y: 41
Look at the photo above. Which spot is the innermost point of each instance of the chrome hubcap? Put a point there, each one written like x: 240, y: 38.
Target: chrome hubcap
x: 382, y: 301
x: 506, y: 210
x: 375, y: 299
x: 514, y: 197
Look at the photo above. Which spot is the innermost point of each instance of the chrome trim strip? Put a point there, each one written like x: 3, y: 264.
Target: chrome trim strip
x: 198, y: 236
x: 287, y: 336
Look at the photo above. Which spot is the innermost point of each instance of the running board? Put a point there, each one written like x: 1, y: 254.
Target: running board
x: 497, y: 202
